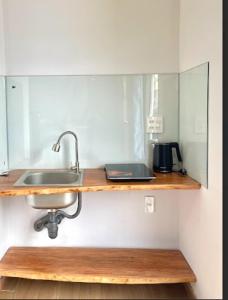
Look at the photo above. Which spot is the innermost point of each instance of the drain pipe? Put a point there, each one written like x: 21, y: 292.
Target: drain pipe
x: 52, y: 225
x: 54, y: 218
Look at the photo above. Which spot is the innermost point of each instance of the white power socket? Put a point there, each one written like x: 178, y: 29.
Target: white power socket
x: 149, y: 204
x: 154, y: 124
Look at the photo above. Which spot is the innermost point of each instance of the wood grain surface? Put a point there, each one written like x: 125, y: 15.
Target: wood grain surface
x: 97, y: 265
x: 95, y: 180
x: 19, y: 288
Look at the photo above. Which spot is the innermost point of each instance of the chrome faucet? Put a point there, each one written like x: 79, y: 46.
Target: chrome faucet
x: 56, y: 148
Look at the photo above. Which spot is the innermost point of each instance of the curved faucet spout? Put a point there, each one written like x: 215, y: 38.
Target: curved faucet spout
x: 56, y: 148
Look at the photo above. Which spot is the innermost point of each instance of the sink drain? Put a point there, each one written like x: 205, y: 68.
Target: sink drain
x: 54, y: 218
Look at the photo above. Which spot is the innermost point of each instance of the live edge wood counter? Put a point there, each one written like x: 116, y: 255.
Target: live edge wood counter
x: 94, y: 180
x: 97, y: 265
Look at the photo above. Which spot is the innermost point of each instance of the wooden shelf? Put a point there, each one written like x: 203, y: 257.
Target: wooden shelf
x: 94, y: 265
x: 95, y: 180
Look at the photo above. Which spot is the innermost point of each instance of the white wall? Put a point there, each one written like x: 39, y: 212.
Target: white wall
x: 2, y: 41
x: 91, y: 36
x: 107, y: 219
x: 200, y: 226
x: 5, y: 220
x: 95, y: 37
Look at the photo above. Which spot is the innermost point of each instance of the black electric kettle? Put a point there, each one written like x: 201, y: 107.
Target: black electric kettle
x: 163, y: 156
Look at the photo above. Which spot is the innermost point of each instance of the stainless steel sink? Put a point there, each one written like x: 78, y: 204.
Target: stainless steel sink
x: 51, y: 178
x: 55, y: 201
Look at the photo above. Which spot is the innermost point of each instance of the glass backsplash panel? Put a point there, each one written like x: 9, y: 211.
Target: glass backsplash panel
x: 194, y: 121
x: 3, y: 127
x: 107, y: 112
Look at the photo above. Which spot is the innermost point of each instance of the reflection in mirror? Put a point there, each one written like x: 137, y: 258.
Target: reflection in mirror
x: 3, y: 128
x: 108, y: 113
x: 193, y: 135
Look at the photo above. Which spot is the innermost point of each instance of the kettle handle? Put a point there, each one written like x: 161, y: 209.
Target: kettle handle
x: 176, y: 146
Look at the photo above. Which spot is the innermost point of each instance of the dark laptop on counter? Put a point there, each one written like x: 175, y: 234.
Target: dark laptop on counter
x: 130, y: 172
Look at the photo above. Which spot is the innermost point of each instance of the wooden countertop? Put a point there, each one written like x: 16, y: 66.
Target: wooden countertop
x: 97, y: 265
x: 94, y: 181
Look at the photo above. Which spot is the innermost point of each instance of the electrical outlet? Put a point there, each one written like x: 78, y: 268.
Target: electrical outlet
x: 154, y: 124
x: 149, y: 204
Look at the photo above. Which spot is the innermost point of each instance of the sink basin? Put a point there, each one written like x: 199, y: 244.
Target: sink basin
x: 56, y: 201
x: 51, y: 178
